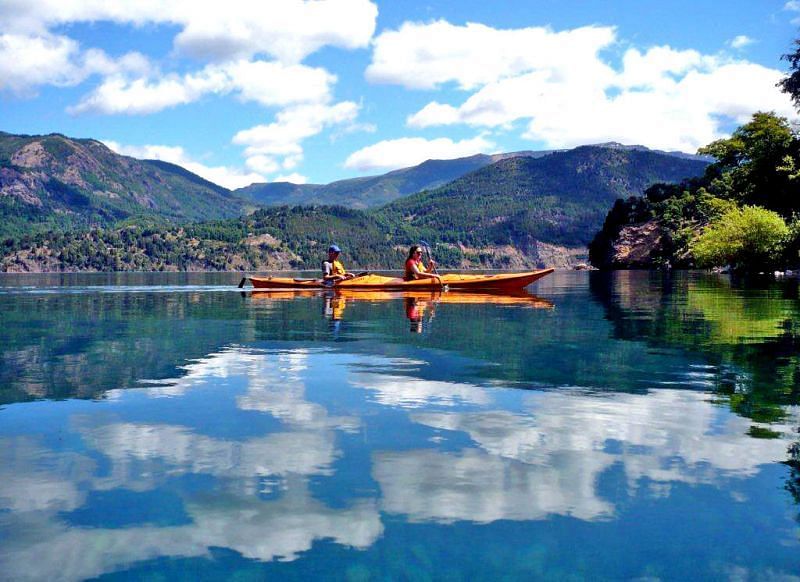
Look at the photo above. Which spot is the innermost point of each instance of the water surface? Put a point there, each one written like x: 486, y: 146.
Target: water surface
x: 602, y: 427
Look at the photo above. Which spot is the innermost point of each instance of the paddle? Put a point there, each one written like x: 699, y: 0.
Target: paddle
x: 430, y: 261
x: 430, y: 257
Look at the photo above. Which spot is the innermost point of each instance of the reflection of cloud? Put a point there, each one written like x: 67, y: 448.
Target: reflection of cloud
x: 37, y: 484
x: 277, y: 387
x: 26, y: 485
x: 549, y: 460
x: 412, y: 392
x: 304, y: 453
x: 259, y: 530
x: 475, y: 486
x: 652, y: 430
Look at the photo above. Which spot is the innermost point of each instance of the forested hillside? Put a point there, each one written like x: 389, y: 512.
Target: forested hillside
x: 742, y: 213
x: 369, y: 191
x: 519, y: 212
x: 560, y: 198
x: 56, y: 183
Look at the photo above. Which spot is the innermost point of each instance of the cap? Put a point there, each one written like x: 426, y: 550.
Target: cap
x: 334, y: 249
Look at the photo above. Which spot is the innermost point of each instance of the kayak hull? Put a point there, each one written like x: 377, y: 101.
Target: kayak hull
x: 498, y: 282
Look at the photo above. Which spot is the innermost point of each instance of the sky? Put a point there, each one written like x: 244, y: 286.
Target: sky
x: 313, y: 91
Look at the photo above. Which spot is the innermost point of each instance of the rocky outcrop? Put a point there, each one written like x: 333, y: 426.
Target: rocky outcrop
x: 636, y: 246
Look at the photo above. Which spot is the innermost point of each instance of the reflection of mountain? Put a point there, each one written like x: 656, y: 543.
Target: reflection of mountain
x: 85, y: 343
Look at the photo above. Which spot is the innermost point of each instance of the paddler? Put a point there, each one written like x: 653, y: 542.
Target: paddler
x: 332, y: 269
x: 416, y: 269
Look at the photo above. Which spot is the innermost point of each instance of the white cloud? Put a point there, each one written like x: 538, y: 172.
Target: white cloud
x: 793, y: 6
x: 268, y: 83
x: 283, y: 138
x: 30, y: 61
x: 410, y: 151
x: 224, y: 176
x: 662, y: 97
x: 740, y: 41
x: 288, y: 30
x: 427, y: 55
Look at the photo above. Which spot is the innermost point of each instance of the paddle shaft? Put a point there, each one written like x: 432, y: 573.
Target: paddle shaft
x: 430, y: 256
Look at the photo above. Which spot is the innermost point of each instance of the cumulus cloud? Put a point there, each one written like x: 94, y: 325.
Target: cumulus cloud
x: 424, y: 56
x: 223, y: 175
x: 282, y: 139
x: 410, y: 151
x: 563, y: 87
x: 27, y: 62
x: 288, y: 30
x: 268, y: 83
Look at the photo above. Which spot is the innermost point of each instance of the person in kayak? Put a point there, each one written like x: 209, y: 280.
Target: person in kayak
x: 416, y: 269
x: 332, y: 269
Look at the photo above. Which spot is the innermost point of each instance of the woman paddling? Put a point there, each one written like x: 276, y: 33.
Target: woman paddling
x: 416, y: 269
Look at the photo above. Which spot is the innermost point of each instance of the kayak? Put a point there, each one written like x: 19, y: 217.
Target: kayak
x: 369, y: 281
x: 432, y: 295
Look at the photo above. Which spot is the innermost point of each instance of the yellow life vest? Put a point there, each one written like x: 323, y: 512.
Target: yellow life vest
x: 338, y: 268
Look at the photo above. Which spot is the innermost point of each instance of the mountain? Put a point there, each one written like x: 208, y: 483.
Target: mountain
x: 560, y: 199
x: 55, y: 182
x: 518, y: 212
x: 374, y: 191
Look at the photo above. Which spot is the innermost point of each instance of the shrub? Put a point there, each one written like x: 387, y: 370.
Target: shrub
x: 749, y: 238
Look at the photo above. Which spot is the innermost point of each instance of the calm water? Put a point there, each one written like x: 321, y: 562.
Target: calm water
x: 624, y: 426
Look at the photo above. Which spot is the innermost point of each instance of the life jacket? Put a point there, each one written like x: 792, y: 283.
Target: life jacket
x: 337, y: 268
x: 410, y: 275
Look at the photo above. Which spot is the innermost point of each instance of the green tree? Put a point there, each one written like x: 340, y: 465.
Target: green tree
x: 748, y: 238
x: 758, y: 161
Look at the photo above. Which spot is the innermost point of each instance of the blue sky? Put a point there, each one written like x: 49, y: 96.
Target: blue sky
x: 315, y: 91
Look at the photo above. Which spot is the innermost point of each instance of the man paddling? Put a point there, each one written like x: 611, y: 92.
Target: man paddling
x: 332, y: 269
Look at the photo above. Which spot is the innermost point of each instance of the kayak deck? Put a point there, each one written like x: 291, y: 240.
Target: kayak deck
x: 502, y: 281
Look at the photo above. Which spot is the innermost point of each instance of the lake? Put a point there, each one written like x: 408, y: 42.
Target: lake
x: 631, y: 425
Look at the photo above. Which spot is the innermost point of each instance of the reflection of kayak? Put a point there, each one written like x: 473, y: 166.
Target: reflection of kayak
x: 500, y: 282
x: 499, y: 298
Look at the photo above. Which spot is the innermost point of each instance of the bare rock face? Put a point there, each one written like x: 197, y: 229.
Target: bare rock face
x: 637, y: 246
x: 20, y: 186
x: 32, y: 155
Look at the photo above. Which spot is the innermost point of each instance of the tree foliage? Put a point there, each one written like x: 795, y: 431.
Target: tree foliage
x: 791, y: 83
x: 755, y: 176
x: 745, y: 238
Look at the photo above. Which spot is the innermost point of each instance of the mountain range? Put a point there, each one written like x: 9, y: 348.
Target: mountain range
x: 374, y: 191
x: 507, y: 210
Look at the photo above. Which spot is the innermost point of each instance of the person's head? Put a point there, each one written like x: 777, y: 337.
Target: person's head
x: 334, y: 251
x: 415, y: 252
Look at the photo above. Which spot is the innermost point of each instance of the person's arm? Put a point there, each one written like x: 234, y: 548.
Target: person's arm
x: 422, y: 274
x: 328, y: 274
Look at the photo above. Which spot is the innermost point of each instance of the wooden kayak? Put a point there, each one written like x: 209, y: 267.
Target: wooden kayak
x: 498, y: 282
